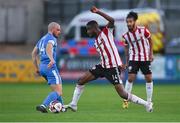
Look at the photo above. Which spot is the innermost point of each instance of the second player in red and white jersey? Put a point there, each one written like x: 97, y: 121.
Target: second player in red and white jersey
x: 137, y: 40
x: 139, y: 55
x: 107, y: 49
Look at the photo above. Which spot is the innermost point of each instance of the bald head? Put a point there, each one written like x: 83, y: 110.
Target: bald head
x: 54, y: 28
x: 53, y: 25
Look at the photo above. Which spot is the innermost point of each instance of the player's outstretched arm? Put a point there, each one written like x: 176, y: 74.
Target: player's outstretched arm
x: 107, y: 17
x: 49, y: 52
x: 35, y: 59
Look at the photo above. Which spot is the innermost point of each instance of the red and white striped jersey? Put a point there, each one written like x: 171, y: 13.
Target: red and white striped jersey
x: 107, y: 49
x: 139, y: 47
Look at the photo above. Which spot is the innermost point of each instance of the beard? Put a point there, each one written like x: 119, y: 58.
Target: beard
x: 55, y: 35
x: 93, y: 35
x: 130, y: 28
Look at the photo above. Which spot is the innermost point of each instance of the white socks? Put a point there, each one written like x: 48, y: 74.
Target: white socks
x: 149, y: 91
x: 133, y: 98
x: 128, y: 86
x: 77, y: 93
x: 137, y: 100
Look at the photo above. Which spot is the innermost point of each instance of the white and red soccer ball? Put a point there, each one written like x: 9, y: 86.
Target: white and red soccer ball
x: 55, y: 106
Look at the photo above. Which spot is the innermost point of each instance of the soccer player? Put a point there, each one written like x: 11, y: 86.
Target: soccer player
x: 110, y: 63
x: 46, y: 50
x: 139, y: 55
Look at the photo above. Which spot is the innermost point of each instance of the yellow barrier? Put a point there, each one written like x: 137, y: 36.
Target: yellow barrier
x: 18, y: 71
x: 153, y: 20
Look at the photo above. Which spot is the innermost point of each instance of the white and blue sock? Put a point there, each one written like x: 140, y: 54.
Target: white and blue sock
x: 149, y: 91
x: 52, y: 96
x: 128, y: 86
x: 135, y: 99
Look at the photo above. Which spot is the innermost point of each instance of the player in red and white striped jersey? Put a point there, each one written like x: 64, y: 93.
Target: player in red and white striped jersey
x: 110, y: 63
x: 106, y: 47
x: 139, y: 55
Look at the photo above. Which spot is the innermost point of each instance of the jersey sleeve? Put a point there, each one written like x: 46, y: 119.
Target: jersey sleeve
x: 51, y: 41
x: 110, y: 29
x: 147, y: 34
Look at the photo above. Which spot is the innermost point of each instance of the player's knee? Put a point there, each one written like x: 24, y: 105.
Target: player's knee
x: 131, y: 78
x: 59, y: 93
x: 148, y: 78
x: 80, y: 82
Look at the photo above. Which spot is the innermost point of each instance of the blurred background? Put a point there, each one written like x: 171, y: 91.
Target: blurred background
x: 23, y: 22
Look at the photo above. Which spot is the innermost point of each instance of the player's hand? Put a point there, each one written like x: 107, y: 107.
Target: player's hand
x: 37, y: 73
x: 51, y: 63
x: 127, y: 63
x: 151, y: 58
x: 94, y: 9
x: 123, y: 67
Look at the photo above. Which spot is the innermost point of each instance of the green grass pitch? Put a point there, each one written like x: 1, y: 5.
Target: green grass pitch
x: 98, y: 103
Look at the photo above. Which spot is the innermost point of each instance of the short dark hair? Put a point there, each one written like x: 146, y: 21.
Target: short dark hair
x: 92, y: 23
x: 133, y: 15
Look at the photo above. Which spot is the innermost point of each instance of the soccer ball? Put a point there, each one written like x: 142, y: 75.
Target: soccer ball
x: 55, y: 106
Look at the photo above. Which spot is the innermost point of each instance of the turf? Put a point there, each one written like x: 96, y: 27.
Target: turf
x: 98, y: 103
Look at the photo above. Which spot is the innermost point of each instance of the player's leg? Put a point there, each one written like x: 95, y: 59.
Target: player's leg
x: 128, y: 88
x: 80, y: 87
x: 149, y: 87
x: 58, y: 89
x: 90, y: 75
x: 113, y: 75
x: 129, y: 82
x: 79, y: 90
x: 133, y: 68
x: 146, y: 70
x: 55, y: 82
x: 56, y: 94
x: 131, y: 97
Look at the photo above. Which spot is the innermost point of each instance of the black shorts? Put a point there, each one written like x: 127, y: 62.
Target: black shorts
x: 111, y: 74
x: 144, y: 66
